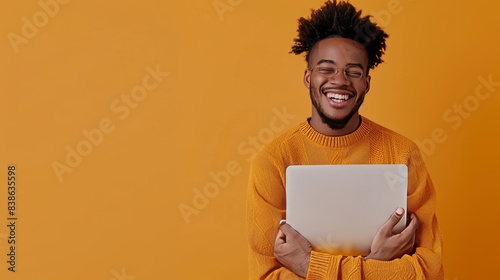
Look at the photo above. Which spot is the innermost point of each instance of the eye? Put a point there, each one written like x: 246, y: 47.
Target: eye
x: 354, y: 72
x: 326, y: 70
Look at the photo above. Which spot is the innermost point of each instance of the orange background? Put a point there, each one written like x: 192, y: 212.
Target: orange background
x: 117, y: 213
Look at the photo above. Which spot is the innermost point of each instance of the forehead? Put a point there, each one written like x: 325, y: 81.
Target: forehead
x: 340, y: 50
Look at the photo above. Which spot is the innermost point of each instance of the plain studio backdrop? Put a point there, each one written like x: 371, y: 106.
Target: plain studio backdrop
x: 131, y: 125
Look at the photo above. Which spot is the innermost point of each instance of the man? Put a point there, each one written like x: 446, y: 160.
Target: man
x: 341, y: 47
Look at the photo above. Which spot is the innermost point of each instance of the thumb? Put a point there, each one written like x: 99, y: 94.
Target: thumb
x: 288, y: 230
x: 392, y: 221
x: 280, y: 238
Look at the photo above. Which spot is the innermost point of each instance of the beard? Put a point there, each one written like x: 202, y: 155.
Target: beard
x: 334, y: 124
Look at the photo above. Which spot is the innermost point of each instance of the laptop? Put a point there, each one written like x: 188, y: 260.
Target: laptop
x: 339, y: 208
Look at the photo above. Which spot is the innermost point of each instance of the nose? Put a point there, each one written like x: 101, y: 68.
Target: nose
x: 339, y: 78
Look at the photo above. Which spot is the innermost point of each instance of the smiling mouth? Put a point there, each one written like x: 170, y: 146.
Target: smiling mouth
x: 337, y: 97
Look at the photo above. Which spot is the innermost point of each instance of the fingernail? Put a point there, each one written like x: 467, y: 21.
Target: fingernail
x: 282, y: 222
x: 399, y: 211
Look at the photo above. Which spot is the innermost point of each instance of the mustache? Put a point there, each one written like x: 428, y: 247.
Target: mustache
x: 345, y: 88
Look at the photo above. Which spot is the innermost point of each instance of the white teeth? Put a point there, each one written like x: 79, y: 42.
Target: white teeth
x: 337, y: 96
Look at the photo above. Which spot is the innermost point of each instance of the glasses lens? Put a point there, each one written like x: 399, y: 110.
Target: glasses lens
x: 327, y: 71
x: 353, y: 72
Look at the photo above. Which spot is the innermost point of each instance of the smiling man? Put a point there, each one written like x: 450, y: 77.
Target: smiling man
x: 341, y: 47
x: 336, y: 100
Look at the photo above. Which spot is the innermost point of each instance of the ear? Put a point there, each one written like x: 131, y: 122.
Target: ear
x: 368, y: 79
x: 307, y: 78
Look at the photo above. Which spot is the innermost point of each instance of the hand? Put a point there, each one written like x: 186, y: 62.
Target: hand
x: 292, y: 250
x: 387, y: 246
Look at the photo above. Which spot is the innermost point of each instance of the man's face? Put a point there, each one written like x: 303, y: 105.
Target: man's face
x: 336, y: 99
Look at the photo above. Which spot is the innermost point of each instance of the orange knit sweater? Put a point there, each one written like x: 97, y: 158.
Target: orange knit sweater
x: 370, y: 143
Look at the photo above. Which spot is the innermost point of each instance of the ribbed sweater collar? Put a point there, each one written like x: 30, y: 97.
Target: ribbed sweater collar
x: 337, y: 141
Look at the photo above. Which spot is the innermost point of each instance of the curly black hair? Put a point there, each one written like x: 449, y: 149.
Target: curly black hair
x: 340, y: 20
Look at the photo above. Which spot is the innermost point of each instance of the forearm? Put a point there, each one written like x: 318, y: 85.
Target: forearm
x: 282, y: 273
x: 266, y: 267
x: 415, y: 267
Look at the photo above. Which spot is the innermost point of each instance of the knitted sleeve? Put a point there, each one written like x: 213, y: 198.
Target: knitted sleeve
x: 265, y: 208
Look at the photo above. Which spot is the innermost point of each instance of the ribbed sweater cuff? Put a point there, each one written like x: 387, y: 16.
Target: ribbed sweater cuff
x: 321, y: 264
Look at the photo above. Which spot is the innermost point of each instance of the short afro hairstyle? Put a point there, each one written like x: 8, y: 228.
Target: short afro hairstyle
x: 340, y: 20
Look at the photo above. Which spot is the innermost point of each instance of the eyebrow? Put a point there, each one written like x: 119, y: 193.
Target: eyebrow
x: 333, y: 62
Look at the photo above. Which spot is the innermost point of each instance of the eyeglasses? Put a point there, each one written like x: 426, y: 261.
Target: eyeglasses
x: 352, y: 72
